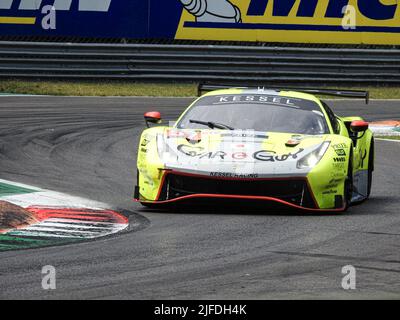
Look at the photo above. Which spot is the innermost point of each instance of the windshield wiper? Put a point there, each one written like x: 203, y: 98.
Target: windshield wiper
x: 211, y: 124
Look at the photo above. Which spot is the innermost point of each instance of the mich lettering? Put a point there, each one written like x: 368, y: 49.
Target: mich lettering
x: 372, y: 9
x: 282, y: 8
x: 376, y: 10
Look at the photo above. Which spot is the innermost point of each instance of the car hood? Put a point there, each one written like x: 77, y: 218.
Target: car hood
x: 236, y: 153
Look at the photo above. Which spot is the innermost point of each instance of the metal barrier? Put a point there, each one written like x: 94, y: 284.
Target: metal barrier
x: 195, y: 63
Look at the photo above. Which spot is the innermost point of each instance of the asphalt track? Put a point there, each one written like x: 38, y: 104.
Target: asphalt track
x: 87, y: 147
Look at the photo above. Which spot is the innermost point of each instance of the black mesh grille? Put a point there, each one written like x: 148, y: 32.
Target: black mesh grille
x: 291, y: 190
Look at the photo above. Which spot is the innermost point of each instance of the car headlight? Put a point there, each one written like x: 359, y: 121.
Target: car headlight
x: 311, y: 160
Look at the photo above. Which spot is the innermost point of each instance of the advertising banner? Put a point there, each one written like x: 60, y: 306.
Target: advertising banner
x: 304, y: 21
x: 300, y: 21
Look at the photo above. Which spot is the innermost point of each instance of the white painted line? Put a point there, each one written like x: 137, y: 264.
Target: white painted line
x: 79, y: 222
x: 47, y: 223
x: 39, y: 228
x: 42, y: 234
x: 43, y: 197
x: 53, y: 199
x: 389, y: 140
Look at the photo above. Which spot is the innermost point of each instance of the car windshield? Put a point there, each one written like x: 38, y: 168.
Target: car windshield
x: 269, y: 113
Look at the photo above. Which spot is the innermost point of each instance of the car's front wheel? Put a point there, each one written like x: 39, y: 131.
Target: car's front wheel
x: 348, y: 185
x: 370, y: 167
x: 149, y: 205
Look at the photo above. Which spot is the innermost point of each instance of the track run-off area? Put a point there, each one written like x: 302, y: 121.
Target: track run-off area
x: 86, y: 147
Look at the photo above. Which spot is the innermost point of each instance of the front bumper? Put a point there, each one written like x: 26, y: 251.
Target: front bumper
x: 293, y: 192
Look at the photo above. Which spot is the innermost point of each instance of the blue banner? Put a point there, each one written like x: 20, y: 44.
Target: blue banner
x: 303, y: 21
x: 90, y: 18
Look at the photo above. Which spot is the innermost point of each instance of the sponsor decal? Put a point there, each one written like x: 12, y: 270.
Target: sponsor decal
x: 337, y: 166
x: 330, y: 192
x: 191, y: 151
x: 261, y: 155
x: 265, y: 99
x: 173, y: 133
x: 339, y: 159
x: 187, y: 134
x: 333, y: 183
x: 339, y: 146
x: 145, y: 142
x: 213, y: 155
x: 194, y: 137
x: 270, y: 156
x: 194, y: 151
x: 340, y: 152
x: 239, y: 155
x: 234, y: 175
x: 340, y: 149
x: 292, y: 142
x: 245, y: 135
x: 191, y: 136
x: 309, y: 21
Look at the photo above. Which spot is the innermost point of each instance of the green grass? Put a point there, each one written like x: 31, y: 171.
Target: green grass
x: 385, y: 93
x: 130, y: 88
x: 97, y: 88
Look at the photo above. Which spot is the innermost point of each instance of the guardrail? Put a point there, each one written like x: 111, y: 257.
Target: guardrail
x: 235, y: 64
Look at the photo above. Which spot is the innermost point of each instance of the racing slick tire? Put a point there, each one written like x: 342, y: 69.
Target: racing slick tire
x: 370, y: 167
x: 348, y: 185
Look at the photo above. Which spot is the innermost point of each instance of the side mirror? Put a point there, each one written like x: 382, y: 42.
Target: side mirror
x: 152, y: 117
x: 359, y: 126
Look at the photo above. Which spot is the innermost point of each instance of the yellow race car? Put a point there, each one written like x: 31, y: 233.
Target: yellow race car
x: 257, y: 144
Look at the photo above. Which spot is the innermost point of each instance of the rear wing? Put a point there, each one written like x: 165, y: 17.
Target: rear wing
x: 359, y: 94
